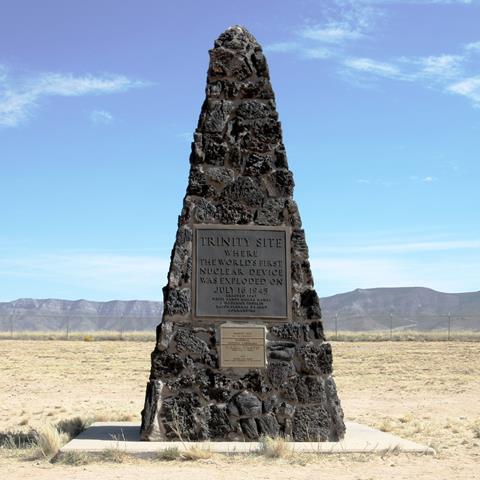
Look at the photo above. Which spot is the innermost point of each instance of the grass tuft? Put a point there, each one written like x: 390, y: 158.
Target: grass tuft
x: 276, y: 447
x: 113, y: 455
x: 50, y: 440
x: 169, y: 454
x: 73, y: 426
x: 17, y: 440
x: 196, y: 453
x: 74, y: 458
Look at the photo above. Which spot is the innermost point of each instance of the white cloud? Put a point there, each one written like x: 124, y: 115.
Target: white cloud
x: 19, y: 97
x: 374, y: 67
x: 331, y: 33
x: 469, y: 87
x: 473, y: 47
x: 282, y: 47
x: 101, y: 117
x: 441, y: 67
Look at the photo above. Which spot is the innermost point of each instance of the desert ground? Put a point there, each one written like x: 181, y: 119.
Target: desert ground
x: 428, y: 392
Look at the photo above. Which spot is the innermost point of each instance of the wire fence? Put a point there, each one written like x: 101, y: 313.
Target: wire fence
x: 337, y: 325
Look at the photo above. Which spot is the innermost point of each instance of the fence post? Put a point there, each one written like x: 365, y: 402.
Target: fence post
x: 449, y: 324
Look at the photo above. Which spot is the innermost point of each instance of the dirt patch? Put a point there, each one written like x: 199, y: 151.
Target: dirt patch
x: 424, y: 391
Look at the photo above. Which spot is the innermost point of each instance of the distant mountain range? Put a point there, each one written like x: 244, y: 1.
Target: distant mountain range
x: 360, y: 310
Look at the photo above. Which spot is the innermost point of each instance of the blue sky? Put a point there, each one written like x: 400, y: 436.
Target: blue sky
x: 380, y: 107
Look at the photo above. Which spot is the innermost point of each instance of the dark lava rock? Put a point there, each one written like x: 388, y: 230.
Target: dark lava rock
x: 249, y: 428
x: 187, y: 341
x: 165, y: 363
x: 244, y: 189
x: 294, y: 332
x: 311, y: 304
x: 248, y: 404
x: 311, y: 390
x: 279, y: 372
x: 176, y: 301
x: 316, y: 359
x: 268, y: 426
x: 311, y: 424
x: 219, y: 424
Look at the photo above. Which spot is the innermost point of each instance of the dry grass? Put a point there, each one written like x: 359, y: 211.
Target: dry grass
x: 49, y: 440
x: 169, y: 454
x: 425, y: 391
x: 196, y: 453
x: 341, y: 336
x: 275, y: 447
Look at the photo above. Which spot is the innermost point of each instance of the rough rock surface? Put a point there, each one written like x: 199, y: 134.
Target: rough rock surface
x: 239, y: 176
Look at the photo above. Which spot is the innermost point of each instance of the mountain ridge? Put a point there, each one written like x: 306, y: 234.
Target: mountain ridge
x: 360, y: 309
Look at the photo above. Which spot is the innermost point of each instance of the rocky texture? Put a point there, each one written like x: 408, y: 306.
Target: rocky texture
x: 239, y: 176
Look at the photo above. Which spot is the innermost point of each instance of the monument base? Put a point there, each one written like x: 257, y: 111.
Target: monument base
x: 125, y: 436
x: 191, y: 397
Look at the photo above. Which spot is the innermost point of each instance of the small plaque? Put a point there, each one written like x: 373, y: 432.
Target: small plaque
x: 241, y: 272
x: 242, y: 346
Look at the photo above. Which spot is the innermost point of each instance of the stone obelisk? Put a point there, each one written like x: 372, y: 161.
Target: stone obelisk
x: 240, y: 352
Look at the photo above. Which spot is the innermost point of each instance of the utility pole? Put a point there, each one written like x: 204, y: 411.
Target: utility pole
x: 449, y: 324
x: 336, y: 326
x: 68, y: 327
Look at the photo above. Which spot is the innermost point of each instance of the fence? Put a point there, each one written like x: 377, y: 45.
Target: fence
x: 337, y: 325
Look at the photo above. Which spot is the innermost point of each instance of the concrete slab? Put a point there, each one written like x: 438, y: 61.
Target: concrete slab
x: 125, y: 436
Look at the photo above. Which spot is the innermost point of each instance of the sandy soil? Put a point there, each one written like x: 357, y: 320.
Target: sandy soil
x: 426, y: 391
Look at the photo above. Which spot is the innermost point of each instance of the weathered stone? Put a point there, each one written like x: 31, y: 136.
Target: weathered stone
x: 291, y: 331
x: 249, y: 428
x: 271, y: 213
x: 316, y: 359
x: 215, y: 152
x: 176, y: 301
x: 248, y: 404
x: 234, y: 213
x: 268, y: 426
x: 186, y: 341
x: 216, y: 115
x: 279, y: 372
x: 220, y: 175
x: 311, y: 389
x: 151, y: 427
x: 311, y: 303
x: 244, y: 189
x: 205, y: 211
x: 198, y: 185
x: 284, y: 182
x: 219, y: 424
x: 254, y: 109
x: 185, y: 417
x: 311, y: 424
x: 239, y: 177
x: 257, y: 165
x: 164, y: 363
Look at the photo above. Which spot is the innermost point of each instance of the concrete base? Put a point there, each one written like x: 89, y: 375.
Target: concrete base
x: 125, y: 436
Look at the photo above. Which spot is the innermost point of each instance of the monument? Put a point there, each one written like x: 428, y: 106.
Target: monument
x: 240, y: 352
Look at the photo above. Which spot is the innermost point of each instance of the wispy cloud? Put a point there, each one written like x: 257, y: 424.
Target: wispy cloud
x: 331, y: 33
x: 21, y: 96
x: 349, y: 23
x: 469, y: 88
x: 101, y: 117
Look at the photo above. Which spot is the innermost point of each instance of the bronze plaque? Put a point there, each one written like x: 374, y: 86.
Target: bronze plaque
x: 241, y: 272
x: 242, y: 346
